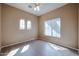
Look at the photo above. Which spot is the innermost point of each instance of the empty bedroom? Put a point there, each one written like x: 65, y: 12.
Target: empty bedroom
x: 39, y: 29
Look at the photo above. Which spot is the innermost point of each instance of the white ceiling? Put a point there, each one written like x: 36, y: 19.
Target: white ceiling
x: 44, y: 8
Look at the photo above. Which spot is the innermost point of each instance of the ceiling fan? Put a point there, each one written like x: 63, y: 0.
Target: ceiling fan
x: 35, y: 6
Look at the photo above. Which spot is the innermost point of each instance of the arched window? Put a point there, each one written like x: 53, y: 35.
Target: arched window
x: 28, y: 25
x: 22, y: 24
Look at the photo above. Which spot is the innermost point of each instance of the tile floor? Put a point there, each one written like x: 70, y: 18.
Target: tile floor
x: 37, y: 48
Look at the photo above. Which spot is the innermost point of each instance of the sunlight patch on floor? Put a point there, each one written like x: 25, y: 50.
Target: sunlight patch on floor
x: 57, y: 47
x: 25, y: 48
x: 13, y: 52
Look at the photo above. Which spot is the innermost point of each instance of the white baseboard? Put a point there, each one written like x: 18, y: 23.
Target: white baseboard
x: 78, y: 51
x: 39, y: 39
x: 0, y: 49
x: 61, y: 45
x: 17, y: 43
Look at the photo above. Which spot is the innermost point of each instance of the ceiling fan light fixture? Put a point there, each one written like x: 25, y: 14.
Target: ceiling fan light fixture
x: 34, y: 8
x: 37, y: 7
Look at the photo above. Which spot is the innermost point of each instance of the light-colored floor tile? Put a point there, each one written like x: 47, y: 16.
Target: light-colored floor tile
x: 38, y: 48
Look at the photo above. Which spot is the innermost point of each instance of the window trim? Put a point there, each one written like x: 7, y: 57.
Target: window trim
x: 52, y: 29
x: 22, y: 24
x: 29, y: 26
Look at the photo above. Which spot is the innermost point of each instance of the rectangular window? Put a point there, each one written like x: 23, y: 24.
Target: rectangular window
x: 52, y: 27
x: 22, y: 24
x: 28, y: 25
x: 47, y: 28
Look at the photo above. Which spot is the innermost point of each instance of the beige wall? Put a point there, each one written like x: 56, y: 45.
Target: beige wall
x: 78, y: 27
x: 11, y: 33
x: 68, y: 14
x: 10, y: 25
x: 0, y: 26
